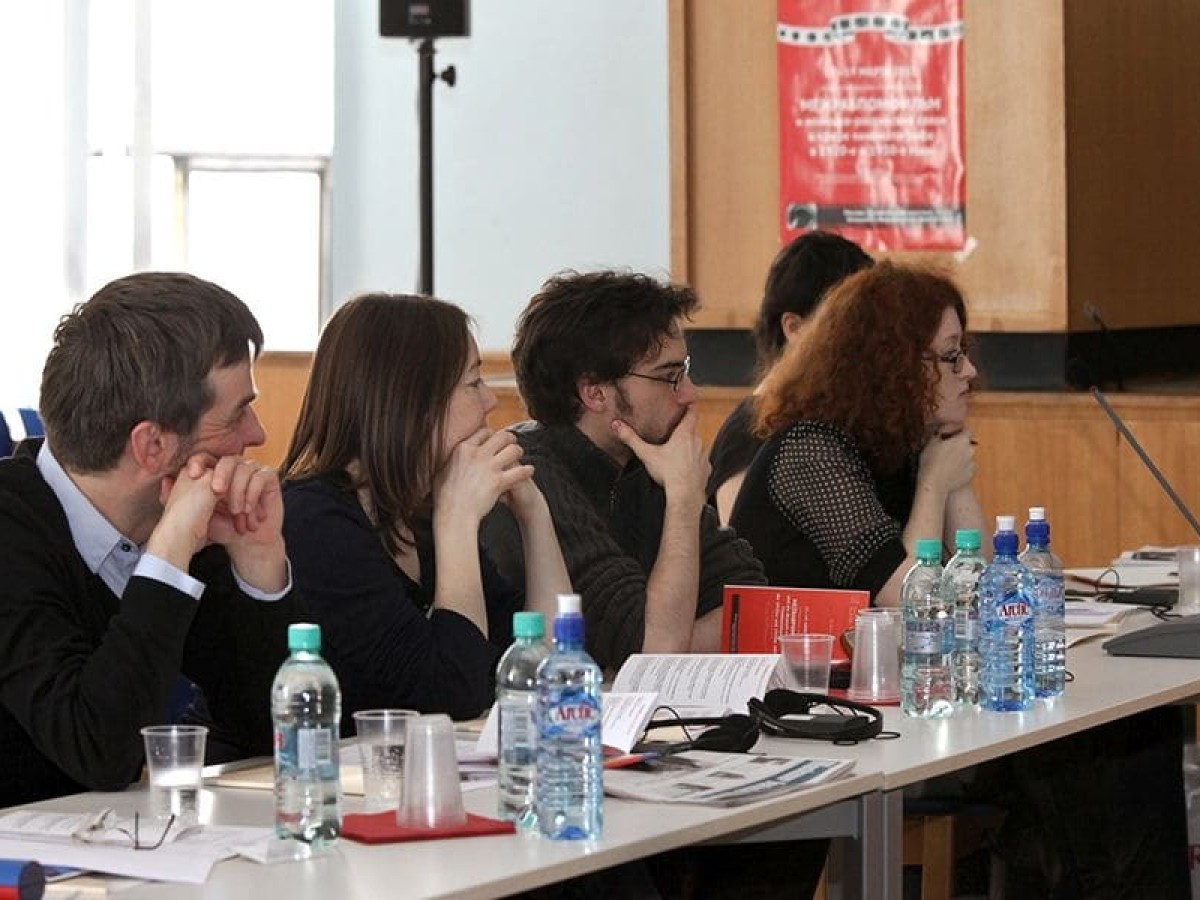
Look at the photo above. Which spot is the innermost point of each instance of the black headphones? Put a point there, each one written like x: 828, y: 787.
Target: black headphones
x: 842, y: 722
x: 736, y: 733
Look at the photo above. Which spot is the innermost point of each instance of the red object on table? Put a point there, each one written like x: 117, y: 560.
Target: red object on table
x: 382, y: 828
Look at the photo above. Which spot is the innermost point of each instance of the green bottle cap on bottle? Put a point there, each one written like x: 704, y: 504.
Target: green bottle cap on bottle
x: 530, y: 625
x: 304, y: 636
x: 967, y: 539
x: 929, y: 549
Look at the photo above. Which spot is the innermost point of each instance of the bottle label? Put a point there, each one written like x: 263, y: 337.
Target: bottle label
x: 966, y: 625
x: 923, y: 637
x: 574, y: 713
x: 1012, y: 607
x: 305, y: 749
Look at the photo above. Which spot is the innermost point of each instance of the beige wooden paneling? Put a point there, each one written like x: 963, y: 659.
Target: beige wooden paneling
x: 281, y: 378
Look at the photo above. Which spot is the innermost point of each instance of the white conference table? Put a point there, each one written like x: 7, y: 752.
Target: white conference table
x: 863, y: 812
x: 1105, y: 688
x: 499, y: 865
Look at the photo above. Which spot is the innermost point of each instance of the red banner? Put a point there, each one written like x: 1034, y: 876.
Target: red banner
x: 871, y: 121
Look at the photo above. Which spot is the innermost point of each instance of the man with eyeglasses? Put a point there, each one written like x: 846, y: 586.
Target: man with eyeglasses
x: 603, y: 368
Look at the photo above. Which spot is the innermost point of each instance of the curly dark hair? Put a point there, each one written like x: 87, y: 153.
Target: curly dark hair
x: 594, y: 325
x: 862, y: 364
x: 800, y: 275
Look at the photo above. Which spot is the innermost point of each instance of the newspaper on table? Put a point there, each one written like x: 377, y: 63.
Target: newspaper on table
x: 720, y: 779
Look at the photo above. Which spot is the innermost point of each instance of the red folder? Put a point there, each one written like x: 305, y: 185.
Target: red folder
x: 753, y: 616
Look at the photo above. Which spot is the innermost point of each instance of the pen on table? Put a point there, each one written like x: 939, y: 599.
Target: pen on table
x: 630, y: 759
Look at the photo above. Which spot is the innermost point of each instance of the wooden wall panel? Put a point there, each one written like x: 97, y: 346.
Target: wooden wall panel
x: 1169, y: 431
x: 281, y: 378
x: 1056, y: 451
x: 1134, y: 138
x: 726, y: 161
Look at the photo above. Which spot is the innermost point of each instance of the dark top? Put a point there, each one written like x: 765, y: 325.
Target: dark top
x: 387, y: 647
x: 609, y: 525
x: 733, y: 448
x: 818, y: 517
x: 81, y: 670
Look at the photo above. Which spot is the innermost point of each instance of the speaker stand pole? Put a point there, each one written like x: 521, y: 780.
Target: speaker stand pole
x: 427, y: 76
x: 425, y: 106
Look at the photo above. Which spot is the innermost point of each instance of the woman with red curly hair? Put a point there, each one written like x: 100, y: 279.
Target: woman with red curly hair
x: 868, y: 448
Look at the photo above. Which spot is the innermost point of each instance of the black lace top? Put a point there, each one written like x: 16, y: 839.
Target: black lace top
x: 817, y: 516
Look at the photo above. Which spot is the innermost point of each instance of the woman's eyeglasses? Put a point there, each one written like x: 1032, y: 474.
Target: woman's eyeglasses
x: 955, y: 359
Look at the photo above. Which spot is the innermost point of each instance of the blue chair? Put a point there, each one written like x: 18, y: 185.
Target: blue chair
x: 32, y: 422
x: 6, y: 444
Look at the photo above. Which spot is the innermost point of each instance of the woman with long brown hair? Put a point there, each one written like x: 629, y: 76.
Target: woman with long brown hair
x: 868, y: 448
x: 389, y: 473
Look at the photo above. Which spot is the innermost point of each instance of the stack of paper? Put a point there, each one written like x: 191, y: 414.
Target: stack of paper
x: 721, y: 779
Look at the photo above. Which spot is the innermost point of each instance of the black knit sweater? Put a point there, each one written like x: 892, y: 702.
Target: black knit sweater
x: 82, y: 670
x: 609, y: 523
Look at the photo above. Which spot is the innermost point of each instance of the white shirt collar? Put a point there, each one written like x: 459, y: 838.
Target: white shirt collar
x: 106, y: 551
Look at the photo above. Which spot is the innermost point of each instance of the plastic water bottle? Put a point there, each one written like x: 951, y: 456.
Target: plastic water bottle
x: 516, y: 700
x: 926, y: 686
x: 1006, y: 626
x: 306, y: 707
x: 960, y: 592
x: 569, y: 784
x: 1049, y: 609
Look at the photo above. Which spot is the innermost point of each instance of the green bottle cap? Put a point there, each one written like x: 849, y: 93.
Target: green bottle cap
x: 529, y: 625
x: 929, y: 549
x: 304, y: 636
x: 967, y: 539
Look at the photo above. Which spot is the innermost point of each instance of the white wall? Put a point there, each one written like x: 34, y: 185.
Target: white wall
x: 551, y: 152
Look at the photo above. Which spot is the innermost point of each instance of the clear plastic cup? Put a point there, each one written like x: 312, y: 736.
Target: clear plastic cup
x: 1188, y: 559
x: 381, y: 734
x: 807, y: 658
x: 432, y: 797
x: 875, y: 669
x: 174, y: 760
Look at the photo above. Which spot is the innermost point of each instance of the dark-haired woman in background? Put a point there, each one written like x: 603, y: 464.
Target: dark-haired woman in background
x: 800, y: 275
x: 868, y: 449
x: 389, y: 473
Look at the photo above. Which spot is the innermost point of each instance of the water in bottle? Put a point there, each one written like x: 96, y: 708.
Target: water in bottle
x: 516, y: 701
x: 306, y: 710
x: 960, y: 592
x: 1049, y: 609
x: 569, y: 784
x: 926, y: 685
x: 1006, y: 626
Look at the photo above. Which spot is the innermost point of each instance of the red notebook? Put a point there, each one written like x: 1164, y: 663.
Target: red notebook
x: 753, y: 616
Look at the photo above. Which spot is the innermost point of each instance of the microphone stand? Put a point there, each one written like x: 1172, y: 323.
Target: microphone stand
x: 1110, y: 343
x: 1149, y: 463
